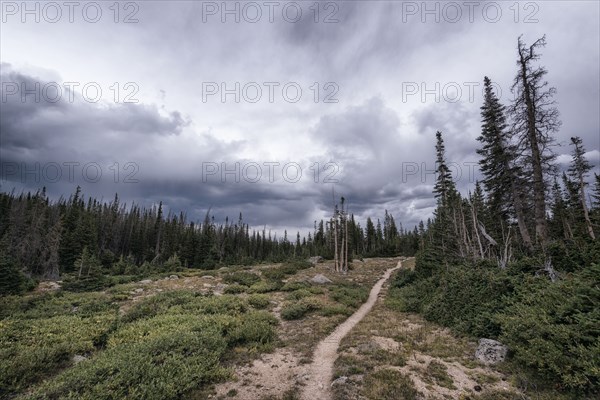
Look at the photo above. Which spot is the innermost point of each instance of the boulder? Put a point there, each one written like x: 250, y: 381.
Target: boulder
x: 342, y: 380
x: 315, y: 260
x: 173, y: 277
x: 48, y: 286
x: 490, y: 351
x: 320, y: 279
x: 146, y: 281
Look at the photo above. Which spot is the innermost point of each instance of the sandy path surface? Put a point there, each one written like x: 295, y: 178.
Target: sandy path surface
x: 318, y: 386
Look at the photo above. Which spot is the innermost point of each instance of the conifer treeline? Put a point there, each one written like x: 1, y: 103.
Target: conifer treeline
x: 43, y: 238
x: 522, y: 208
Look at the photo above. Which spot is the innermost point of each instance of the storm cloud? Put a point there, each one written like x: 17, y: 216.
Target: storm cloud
x: 205, y: 107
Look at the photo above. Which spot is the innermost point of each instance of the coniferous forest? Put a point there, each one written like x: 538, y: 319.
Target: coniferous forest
x: 42, y: 239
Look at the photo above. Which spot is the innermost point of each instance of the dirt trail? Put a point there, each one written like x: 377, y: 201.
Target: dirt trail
x: 321, y: 369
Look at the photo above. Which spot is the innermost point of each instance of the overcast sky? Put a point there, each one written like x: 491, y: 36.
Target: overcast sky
x: 156, y: 100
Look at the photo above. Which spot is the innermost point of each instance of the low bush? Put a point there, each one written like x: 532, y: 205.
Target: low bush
x: 242, y: 278
x: 550, y: 327
x: 265, y: 287
x: 255, y: 329
x: 351, y: 295
x: 298, y: 294
x: 298, y: 309
x: 163, y: 367
x: 554, y: 328
x: 165, y: 346
x: 286, y: 269
x: 292, y: 286
x: 339, y: 309
x: 31, y: 349
x: 259, y: 301
x: 235, y: 289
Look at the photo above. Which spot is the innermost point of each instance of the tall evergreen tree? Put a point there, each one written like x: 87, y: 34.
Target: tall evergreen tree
x: 502, y: 177
x: 535, y: 118
x: 579, y: 171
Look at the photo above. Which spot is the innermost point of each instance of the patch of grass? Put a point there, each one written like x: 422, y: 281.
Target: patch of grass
x: 388, y: 384
x: 436, y: 372
x: 347, y: 365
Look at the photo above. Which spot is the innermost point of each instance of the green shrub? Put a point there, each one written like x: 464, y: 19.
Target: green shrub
x: 12, y: 280
x: 292, y: 286
x: 34, y: 348
x: 259, y: 300
x: 154, y: 305
x: 173, y: 264
x: 465, y: 298
x: 339, y: 309
x: 468, y: 298
x: 403, y: 277
x: 298, y: 294
x: 226, y: 304
x: 286, y: 269
x: 265, y: 287
x: 164, y: 367
x: 555, y: 328
x: 351, y: 295
x: 299, y: 309
x: 235, y: 289
x: 242, y: 278
x: 46, y: 305
x: 255, y: 329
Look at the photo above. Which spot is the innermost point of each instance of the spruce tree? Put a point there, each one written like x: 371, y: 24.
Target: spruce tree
x: 502, y: 177
x: 578, y: 171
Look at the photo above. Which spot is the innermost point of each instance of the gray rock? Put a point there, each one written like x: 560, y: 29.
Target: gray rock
x: 342, y: 380
x: 77, y: 359
x: 490, y: 351
x: 49, y: 286
x: 207, y: 277
x: 320, y: 279
x: 173, y: 277
x: 138, y: 290
x: 315, y: 260
x: 146, y: 281
x: 218, y: 289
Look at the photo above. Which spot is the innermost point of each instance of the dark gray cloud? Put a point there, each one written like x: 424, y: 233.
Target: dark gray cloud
x: 380, y: 141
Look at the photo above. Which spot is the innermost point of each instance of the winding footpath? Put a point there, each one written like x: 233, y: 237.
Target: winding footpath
x: 321, y: 369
